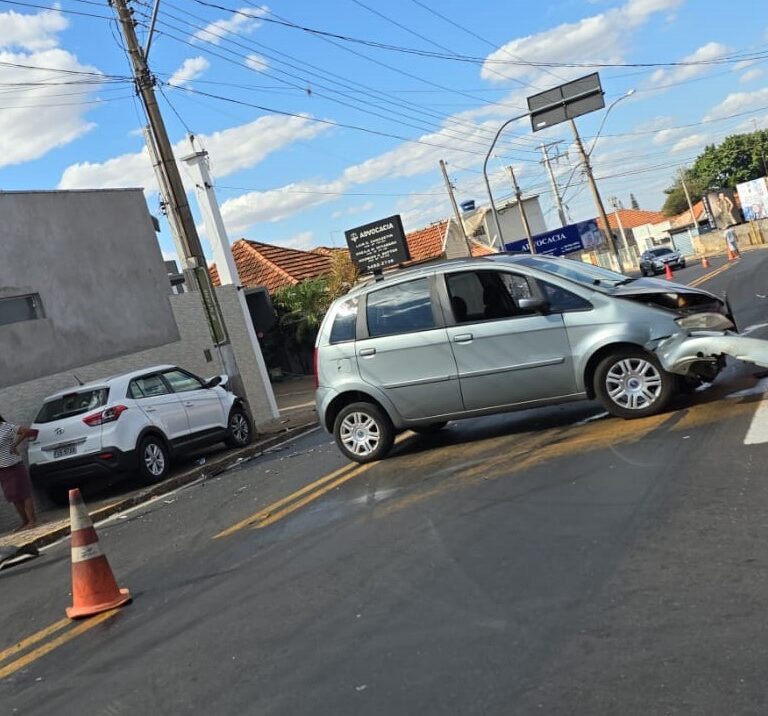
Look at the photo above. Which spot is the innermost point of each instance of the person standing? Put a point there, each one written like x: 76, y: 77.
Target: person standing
x: 14, y: 478
x: 731, y: 242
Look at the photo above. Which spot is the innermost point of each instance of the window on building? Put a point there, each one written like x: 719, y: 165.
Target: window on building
x: 403, y: 308
x: 20, y: 308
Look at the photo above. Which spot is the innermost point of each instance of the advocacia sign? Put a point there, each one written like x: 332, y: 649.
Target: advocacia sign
x: 377, y: 245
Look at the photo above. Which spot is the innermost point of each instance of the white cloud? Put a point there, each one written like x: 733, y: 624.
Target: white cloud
x: 739, y: 66
x: 738, y: 102
x: 34, y: 120
x: 599, y: 37
x: 667, y: 135
x: 256, y: 62
x: 694, y: 141
x: 352, y: 210
x: 751, y: 75
x: 710, y: 51
x: 302, y: 240
x: 230, y: 150
x: 242, y: 21
x: 190, y: 70
x: 31, y: 32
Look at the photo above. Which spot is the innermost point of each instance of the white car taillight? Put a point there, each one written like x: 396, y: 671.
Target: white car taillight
x: 109, y: 415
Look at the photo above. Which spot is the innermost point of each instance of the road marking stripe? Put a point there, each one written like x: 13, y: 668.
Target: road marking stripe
x: 34, y: 638
x: 46, y: 648
x: 758, y: 428
x: 266, y: 512
x: 710, y: 275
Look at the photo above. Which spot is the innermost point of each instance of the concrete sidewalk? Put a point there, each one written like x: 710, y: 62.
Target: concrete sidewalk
x: 295, y: 400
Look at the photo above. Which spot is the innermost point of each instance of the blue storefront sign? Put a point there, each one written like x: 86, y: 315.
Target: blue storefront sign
x: 584, y: 236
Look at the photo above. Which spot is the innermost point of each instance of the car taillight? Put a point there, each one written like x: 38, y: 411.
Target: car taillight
x: 314, y: 368
x: 105, y: 416
x: 32, y: 434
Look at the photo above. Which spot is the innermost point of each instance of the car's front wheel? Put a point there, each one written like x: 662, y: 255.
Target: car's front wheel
x: 363, y: 432
x: 154, y: 460
x: 239, y: 428
x: 630, y: 383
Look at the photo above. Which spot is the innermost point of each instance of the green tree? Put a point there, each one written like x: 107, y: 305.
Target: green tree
x: 300, y: 309
x: 736, y: 159
x: 633, y: 201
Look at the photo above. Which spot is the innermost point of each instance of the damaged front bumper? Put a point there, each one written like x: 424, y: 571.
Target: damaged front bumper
x: 682, y: 352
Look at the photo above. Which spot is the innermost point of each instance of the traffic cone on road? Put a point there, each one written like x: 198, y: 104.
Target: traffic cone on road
x: 668, y: 272
x: 731, y: 255
x: 94, y: 588
x: 704, y: 262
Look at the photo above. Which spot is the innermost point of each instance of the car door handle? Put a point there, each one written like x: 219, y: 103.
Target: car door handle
x: 149, y: 410
x: 189, y: 405
x: 463, y: 338
x: 365, y: 352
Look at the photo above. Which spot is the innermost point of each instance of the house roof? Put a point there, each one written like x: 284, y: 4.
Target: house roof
x: 274, y: 267
x: 480, y: 249
x: 633, y: 217
x: 684, y: 217
x: 427, y: 243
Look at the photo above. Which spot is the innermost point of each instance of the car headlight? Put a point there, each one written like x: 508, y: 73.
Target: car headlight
x: 704, y: 322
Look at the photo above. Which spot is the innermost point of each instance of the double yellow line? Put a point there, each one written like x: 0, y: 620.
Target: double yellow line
x: 300, y: 498
x: 24, y: 656
x: 710, y: 275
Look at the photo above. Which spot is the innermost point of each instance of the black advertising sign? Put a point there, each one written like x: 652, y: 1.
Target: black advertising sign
x: 378, y: 245
x: 566, y: 101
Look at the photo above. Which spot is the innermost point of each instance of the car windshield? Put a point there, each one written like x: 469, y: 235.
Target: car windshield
x: 574, y: 270
x: 71, y: 404
x: 661, y: 252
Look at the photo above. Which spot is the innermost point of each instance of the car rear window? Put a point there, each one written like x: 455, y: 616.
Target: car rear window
x: 71, y: 404
x: 344, y: 322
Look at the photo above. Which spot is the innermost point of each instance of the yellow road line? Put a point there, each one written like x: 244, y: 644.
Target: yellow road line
x: 272, y: 513
x: 33, y: 639
x: 710, y: 275
x: 48, y: 647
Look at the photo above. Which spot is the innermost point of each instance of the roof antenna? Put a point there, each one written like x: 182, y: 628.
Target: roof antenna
x: 79, y: 382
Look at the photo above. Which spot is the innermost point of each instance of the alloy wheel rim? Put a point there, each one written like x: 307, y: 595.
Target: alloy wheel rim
x: 360, y: 434
x: 634, y: 383
x: 239, y: 427
x: 154, y: 459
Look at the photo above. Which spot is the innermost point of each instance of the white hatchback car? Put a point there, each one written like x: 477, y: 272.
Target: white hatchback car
x: 136, y: 422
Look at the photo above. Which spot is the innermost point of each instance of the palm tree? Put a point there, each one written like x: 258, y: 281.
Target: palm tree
x: 301, y: 308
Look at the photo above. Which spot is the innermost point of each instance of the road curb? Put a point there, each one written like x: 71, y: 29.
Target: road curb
x: 212, y: 467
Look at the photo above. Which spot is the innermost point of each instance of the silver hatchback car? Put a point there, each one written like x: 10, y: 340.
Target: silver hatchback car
x: 473, y: 337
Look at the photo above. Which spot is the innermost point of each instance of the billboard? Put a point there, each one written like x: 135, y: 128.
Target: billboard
x: 584, y: 236
x: 724, y: 207
x: 378, y: 245
x: 753, y: 196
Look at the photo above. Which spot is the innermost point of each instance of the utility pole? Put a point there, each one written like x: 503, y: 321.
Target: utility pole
x: 553, y: 182
x: 694, y: 223
x: 616, y: 207
x: 596, y: 195
x: 523, y: 214
x: 456, y: 212
x: 192, y: 255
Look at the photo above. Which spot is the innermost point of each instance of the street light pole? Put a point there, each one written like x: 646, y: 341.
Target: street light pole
x: 627, y: 94
x: 523, y: 213
x: 485, y: 175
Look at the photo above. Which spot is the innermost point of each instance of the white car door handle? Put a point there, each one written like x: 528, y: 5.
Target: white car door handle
x: 189, y: 405
x: 463, y: 338
x: 367, y: 352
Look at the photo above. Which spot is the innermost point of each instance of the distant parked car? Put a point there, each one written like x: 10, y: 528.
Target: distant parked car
x: 132, y: 423
x: 654, y: 261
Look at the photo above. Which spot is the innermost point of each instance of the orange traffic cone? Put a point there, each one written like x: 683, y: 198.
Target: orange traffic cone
x: 731, y: 255
x: 668, y: 272
x: 704, y: 262
x: 94, y: 588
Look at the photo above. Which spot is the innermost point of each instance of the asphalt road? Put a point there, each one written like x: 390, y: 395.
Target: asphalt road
x: 553, y: 561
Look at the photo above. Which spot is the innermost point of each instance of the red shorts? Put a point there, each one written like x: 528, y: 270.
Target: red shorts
x: 15, y: 482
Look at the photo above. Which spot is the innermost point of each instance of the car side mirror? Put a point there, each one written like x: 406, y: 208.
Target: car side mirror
x: 213, y: 382
x: 533, y: 305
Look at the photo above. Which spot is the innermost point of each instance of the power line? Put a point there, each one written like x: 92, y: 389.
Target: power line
x: 55, y: 9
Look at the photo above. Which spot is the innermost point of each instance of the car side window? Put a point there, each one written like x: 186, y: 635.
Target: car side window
x: 486, y: 295
x: 181, y: 381
x: 345, y: 322
x: 403, y: 308
x: 147, y: 387
x: 561, y: 301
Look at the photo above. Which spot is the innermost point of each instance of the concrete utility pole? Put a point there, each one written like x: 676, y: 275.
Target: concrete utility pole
x: 553, y: 182
x: 197, y: 161
x: 596, y: 195
x: 456, y: 212
x: 182, y: 224
x: 694, y: 223
x: 523, y: 214
x: 616, y: 208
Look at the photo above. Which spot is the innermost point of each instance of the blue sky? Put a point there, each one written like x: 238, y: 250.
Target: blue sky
x: 287, y: 178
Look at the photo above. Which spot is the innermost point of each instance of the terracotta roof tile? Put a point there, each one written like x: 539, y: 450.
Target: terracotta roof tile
x: 684, y: 217
x: 481, y: 249
x: 273, y: 267
x: 427, y: 243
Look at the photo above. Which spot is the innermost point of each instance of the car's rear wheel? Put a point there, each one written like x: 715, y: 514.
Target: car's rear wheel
x: 154, y: 460
x: 363, y: 432
x: 239, y: 428
x: 630, y: 383
x: 430, y: 429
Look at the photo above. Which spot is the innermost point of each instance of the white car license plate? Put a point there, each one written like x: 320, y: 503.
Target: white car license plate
x: 64, y: 451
